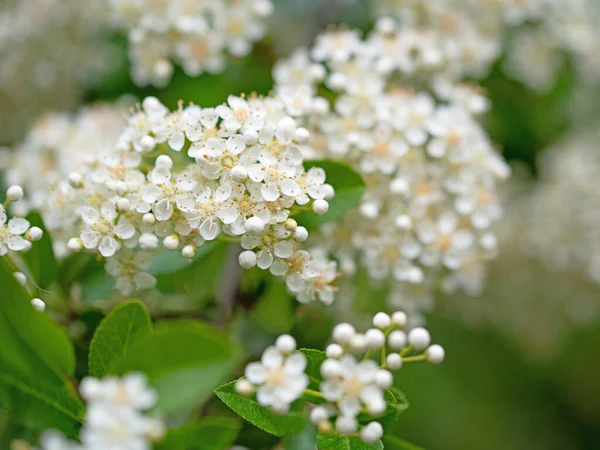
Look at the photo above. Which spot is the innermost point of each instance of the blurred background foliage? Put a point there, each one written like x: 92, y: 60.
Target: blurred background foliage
x: 494, y: 391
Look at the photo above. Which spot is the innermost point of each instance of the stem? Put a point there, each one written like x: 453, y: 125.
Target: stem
x: 368, y: 355
x: 406, y: 351
x: 422, y: 357
x: 230, y: 239
x: 383, y: 355
x: 229, y: 284
x: 313, y: 393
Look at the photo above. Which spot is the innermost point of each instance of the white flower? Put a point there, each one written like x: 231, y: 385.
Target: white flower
x: 11, y: 233
x: 353, y: 386
x: 101, y: 230
x: 128, y: 268
x: 164, y: 193
x: 280, y: 379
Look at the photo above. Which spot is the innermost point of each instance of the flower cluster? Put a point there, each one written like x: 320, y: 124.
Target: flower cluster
x: 430, y: 169
x: 536, y: 54
x: 49, y: 51
x: 58, y: 145
x: 279, y: 378
x: 16, y: 233
x: 179, y: 179
x: 193, y: 34
x: 352, y: 382
x: 115, y: 416
x: 457, y: 37
x: 550, y: 249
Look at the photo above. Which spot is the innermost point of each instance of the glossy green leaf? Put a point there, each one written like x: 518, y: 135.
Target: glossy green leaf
x: 306, y: 439
x: 35, y: 405
x: 275, y: 308
x: 184, y: 361
x: 349, y: 188
x: 395, y: 443
x: 76, y: 267
x: 260, y: 416
x: 40, y: 259
x: 200, y: 279
x: 397, y: 404
x: 209, y: 433
x: 30, y: 342
x: 126, y: 324
x: 314, y: 359
x: 331, y: 442
x: 97, y: 287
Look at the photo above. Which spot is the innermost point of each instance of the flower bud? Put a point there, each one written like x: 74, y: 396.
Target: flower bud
x: 285, y: 344
x: 254, y: 226
x: 291, y: 225
x: 21, y: 278
x: 38, y: 304
x: 435, y: 354
x: 148, y: 241
x: 301, y: 234
x: 320, y: 207
x: 343, y: 332
x: 371, y: 433
x: 397, y: 340
x: 123, y: 205
x: 164, y: 161
x: 334, y: 351
x: 171, y: 242
x: 393, y: 361
x: 247, y: 259
x: 75, y: 180
x: 189, y: 252
x: 244, y: 387
x: 147, y: 143
x: 14, y: 193
x: 74, y: 244
x: 148, y: 219
x: 35, y: 234
x: 239, y: 173
x: 419, y: 338
x: 381, y: 320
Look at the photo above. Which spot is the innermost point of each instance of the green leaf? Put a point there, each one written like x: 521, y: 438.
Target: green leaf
x: 331, y: 442
x: 275, y: 308
x: 75, y: 267
x: 40, y: 259
x: 168, y: 261
x: 395, y: 443
x: 30, y: 342
x: 314, y: 359
x: 184, y: 361
x: 260, y: 416
x: 97, y: 286
x: 397, y: 403
x: 117, y: 333
x: 35, y: 405
x: 305, y: 440
x: 200, y: 279
x: 209, y: 433
x: 349, y: 188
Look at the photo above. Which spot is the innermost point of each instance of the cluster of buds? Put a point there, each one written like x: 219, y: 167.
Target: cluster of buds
x: 355, y: 374
x: 114, y: 417
x: 195, y: 35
